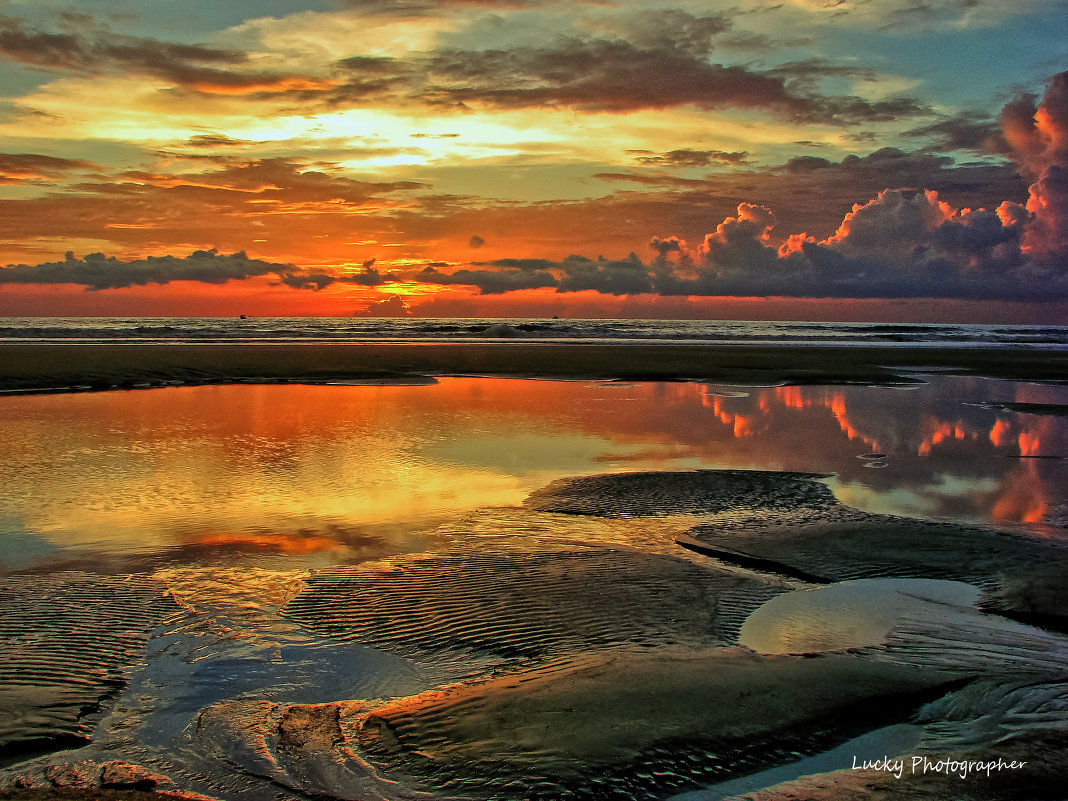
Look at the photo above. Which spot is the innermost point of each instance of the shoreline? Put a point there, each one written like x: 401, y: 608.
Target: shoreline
x: 27, y: 368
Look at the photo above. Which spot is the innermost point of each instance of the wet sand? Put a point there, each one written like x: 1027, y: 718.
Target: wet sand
x: 593, y: 668
x: 584, y: 645
x: 65, y: 367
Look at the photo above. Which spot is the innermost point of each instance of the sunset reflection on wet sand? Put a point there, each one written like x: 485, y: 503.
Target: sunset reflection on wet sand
x: 266, y: 571
x: 325, y: 473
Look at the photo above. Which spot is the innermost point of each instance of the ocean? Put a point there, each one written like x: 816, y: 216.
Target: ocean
x: 176, y: 330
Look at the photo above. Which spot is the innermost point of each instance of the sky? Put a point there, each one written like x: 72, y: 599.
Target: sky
x: 802, y: 159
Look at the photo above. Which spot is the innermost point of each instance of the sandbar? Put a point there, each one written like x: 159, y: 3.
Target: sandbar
x: 66, y: 367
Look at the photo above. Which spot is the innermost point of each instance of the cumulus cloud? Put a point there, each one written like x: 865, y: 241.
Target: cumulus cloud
x: 904, y: 243
x: 1038, y: 135
x: 393, y: 306
x: 97, y: 271
x: 900, y: 244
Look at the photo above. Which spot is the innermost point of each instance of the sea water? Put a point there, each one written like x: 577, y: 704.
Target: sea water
x: 170, y: 330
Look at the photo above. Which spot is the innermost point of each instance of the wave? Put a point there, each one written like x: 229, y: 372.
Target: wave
x: 353, y: 329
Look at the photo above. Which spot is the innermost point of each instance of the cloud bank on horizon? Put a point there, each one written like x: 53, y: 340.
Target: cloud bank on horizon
x: 399, y: 154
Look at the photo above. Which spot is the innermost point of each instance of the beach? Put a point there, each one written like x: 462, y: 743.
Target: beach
x: 36, y: 367
x: 526, y: 570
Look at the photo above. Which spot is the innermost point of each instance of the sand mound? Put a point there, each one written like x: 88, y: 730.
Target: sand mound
x: 680, y: 493
x: 617, y: 725
x: 791, y: 524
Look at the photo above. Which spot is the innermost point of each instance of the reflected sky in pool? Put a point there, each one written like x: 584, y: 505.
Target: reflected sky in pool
x: 318, y: 475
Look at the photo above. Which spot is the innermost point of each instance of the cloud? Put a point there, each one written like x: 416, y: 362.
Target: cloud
x: 1038, y: 135
x: 489, y: 282
x: 367, y: 276
x: 688, y: 158
x: 276, y: 178
x: 810, y: 192
x: 476, y: 242
x: 393, y: 306
x: 419, y: 8
x: 672, y: 28
x: 19, y: 167
x: 653, y: 69
x: 806, y: 75
x: 519, y: 264
x: 624, y: 277
x: 214, y: 140
x: 903, y: 243
x: 96, y: 52
x: 300, y: 213
x: 313, y: 281
x: 97, y: 271
x: 965, y: 131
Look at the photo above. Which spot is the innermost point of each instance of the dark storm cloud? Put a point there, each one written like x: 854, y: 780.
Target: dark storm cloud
x: 96, y: 52
x: 97, y: 271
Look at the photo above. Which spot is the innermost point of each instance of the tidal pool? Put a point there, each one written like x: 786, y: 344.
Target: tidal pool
x: 253, y: 587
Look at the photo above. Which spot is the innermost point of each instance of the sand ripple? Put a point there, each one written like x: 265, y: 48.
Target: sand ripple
x: 67, y: 642
x: 493, y: 607
x: 678, y: 493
